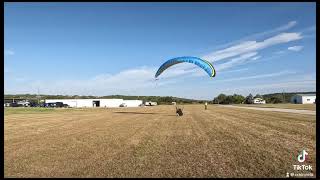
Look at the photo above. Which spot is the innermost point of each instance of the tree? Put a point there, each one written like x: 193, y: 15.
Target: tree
x: 249, y: 99
x: 258, y: 96
x: 238, y: 99
x: 228, y: 100
x: 220, y: 99
x: 276, y: 99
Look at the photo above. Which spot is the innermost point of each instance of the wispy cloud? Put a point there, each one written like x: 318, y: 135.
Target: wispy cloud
x: 274, y: 55
x: 181, y: 69
x: 236, y: 61
x: 284, y: 27
x: 312, y: 28
x: 280, y: 52
x: 250, y: 46
x: 309, y: 32
x: 297, y: 84
x: 293, y: 83
x: 141, y: 79
x: 8, y: 52
x: 235, y: 70
x: 288, y: 86
x: 124, y: 82
x: 286, y: 72
x: 264, y: 88
x: 256, y: 58
x: 241, y: 53
x: 295, y: 48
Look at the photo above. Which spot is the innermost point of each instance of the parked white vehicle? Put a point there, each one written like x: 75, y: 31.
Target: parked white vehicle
x: 149, y: 103
x: 258, y: 101
x: 24, y: 103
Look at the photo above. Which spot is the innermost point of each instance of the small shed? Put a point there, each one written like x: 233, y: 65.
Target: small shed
x: 304, y: 99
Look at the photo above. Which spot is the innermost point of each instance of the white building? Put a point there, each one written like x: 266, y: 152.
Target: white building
x: 258, y: 101
x: 132, y: 103
x: 96, y: 102
x: 304, y: 99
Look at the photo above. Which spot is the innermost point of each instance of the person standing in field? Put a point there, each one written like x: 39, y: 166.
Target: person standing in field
x: 205, y: 105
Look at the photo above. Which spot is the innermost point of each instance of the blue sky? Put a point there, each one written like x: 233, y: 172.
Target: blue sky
x: 116, y: 48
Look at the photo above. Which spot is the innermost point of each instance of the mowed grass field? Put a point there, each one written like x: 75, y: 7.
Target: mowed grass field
x: 154, y: 142
x: 311, y: 107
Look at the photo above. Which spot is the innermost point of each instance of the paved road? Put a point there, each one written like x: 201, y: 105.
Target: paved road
x: 309, y: 112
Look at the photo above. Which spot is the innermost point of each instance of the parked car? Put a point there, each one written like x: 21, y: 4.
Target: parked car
x: 14, y: 104
x: 34, y: 104
x: 58, y: 104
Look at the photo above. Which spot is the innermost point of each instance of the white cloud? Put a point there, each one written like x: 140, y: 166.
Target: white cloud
x: 287, y: 26
x: 141, y: 79
x: 265, y: 88
x: 243, y: 53
x: 289, y: 86
x: 8, y: 52
x: 289, y: 83
x: 279, y: 52
x: 256, y: 58
x: 268, y: 75
x: 250, y: 46
x: 239, y: 52
x: 236, y: 61
x: 295, y: 48
x: 261, y: 34
x: 124, y: 82
x: 309, y: 29
x: 179, y: 70
x: 236, y: 70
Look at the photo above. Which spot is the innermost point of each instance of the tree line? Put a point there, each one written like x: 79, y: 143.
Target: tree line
x: 233, y: 99
x: 220, y: 99
x: 273, y: 98
x: 159, y: 99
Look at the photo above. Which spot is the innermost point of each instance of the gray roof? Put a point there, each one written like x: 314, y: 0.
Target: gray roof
x: 306, y: 94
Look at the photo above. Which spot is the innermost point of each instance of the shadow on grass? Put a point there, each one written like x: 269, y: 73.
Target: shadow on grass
x: 129, y: 112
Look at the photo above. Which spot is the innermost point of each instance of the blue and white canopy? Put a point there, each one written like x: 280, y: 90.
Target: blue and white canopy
x: 205, y: 65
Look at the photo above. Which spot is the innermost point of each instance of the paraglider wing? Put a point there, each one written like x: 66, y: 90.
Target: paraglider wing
x: 205, y: 65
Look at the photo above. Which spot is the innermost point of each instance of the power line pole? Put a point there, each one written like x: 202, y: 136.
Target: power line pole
x: 38, y: 97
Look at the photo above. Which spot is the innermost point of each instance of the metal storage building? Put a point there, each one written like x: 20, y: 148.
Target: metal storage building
x: 304, y: 99
x: 94, y: 102
x: 132, y: 103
